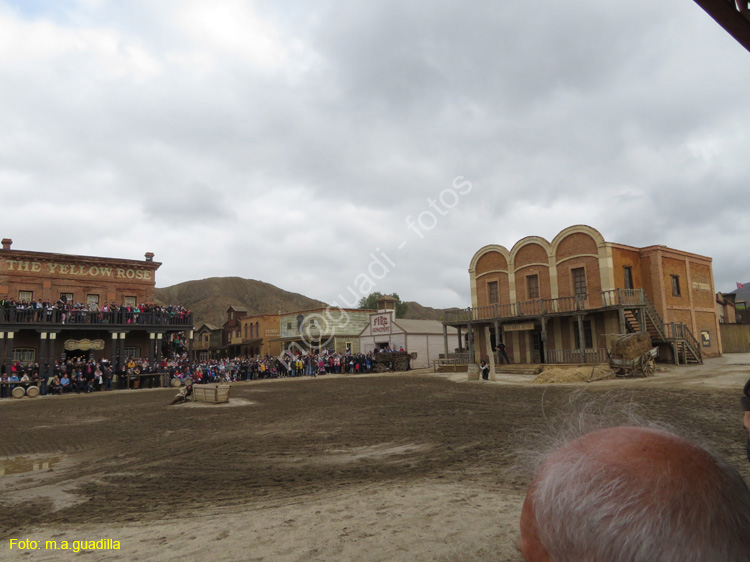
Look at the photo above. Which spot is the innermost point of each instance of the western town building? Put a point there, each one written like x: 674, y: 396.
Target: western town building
x: 561, y: 301
x: 79, y: 290
x: 206, y: 340
x: 260, y: 335
x: 249, y: 335
x: 424, y: 339
x: 337, y: 329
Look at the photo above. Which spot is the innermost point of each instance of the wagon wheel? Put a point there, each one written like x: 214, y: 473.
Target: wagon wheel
x: 648, y: 367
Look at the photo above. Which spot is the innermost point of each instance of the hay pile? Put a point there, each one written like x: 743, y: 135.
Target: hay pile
x: 562, y: 375
x: 631, y: 346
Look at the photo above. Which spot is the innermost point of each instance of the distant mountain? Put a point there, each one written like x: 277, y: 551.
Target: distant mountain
x: 210, y: 298
x: 418, y: 312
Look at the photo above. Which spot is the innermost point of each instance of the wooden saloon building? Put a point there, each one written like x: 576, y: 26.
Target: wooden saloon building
x: 563, y: 301
x: 43, y: 335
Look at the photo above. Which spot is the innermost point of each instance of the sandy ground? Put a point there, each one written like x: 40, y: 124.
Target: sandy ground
x: 391, y: 467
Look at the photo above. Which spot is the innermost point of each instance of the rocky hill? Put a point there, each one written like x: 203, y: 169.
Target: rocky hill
x: 418, y: 312
x: 210, y: 298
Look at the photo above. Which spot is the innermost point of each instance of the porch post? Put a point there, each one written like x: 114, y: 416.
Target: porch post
x: 544, y: 339
x: 9, y: 351
x: 621, y: 312
x: 114, y: 352
x: 42, y: 356
x: 445, y: 340
x: 491, y: 353
x: 159, y: 337
x: 581, y: 339
x: 122, y: 350
x: 471, y: 343
x: 460, y: 340
x: 497, y: 338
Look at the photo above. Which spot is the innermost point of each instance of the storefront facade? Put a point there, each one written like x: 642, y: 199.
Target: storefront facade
x: 59, y: 306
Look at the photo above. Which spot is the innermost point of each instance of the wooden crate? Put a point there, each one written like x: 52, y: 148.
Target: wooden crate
x: 211, y: 394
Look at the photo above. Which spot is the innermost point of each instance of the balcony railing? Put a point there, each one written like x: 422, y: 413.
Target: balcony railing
x: 546, y: 307
x: 120, y: 318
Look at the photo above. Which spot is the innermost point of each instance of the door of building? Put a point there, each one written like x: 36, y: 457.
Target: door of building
x: 537, y: 346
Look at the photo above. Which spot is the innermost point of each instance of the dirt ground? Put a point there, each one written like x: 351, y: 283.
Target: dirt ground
x: 362, y: 468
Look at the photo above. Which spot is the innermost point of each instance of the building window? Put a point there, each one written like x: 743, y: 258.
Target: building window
x: 130, y: 301
x: 23, y: 355
x: 27, y: 296
x: 492, y: 292
x: 532, y: 285
x: 288, y: 325
x: 92, y: 299
x: 588, y: 335
x: 245, y: 331
x: 66, y: 297
x: 628, y: 274
x: 579, y: 281
x: 675, y: 285
x: 132, y: 352
x: 312, y: 322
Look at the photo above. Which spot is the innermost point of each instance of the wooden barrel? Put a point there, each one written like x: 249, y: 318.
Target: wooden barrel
x: 188, y: 381
x: 176, y: 382
x: 32, y: 391
x: 18, y: 392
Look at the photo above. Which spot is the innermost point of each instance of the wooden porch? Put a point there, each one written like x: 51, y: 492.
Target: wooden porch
x: 636, y: 312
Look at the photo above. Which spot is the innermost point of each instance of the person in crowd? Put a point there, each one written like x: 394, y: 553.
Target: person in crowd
x: 484, y: 370
x: 55, y: 385
x: 65, y: 383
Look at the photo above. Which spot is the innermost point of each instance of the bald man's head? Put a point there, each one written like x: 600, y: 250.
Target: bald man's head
x: 637, y: 495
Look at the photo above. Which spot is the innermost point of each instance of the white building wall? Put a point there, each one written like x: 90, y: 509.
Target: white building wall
x: 417, y: 343
x: 398, y: 340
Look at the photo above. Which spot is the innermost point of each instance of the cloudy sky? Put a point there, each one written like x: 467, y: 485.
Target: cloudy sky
x: 291, y: 141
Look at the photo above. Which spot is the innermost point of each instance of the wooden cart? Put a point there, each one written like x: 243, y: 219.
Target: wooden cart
x: 631, y: 355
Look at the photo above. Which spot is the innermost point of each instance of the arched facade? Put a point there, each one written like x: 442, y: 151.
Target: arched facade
x: 561, y: 300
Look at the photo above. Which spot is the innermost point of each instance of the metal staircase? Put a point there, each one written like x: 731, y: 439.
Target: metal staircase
x: 676, y: 334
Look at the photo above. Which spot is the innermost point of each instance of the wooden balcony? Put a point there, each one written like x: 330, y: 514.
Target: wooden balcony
x: 12, y: 319
x: 564, y: 306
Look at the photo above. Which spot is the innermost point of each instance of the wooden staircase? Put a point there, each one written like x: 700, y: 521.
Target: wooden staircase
x: 677, y: 335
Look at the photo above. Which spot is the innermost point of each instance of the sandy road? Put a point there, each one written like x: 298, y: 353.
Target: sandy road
x: 388, y: 467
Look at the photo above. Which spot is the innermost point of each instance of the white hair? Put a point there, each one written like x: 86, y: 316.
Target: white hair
x: 593, y: 510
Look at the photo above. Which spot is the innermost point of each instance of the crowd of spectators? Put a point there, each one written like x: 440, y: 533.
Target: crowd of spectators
x: 81, y: 375
x: 64, y: 311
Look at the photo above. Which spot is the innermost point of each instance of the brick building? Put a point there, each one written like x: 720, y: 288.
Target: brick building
x: 44, y: 335
x: 562, y: 301
x: 260, y: 335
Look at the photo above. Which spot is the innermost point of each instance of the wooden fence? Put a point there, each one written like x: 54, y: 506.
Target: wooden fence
x: 735, y: 338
